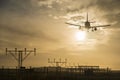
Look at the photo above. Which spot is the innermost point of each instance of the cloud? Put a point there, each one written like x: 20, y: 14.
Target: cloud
x: 19, y: 7
x: 17, y: 34
x: 33, y: 6
x: 28, y: 23
x: 108, y: 5
x: 58, y: 8
x: 13, y: 4
x: 110, y: 9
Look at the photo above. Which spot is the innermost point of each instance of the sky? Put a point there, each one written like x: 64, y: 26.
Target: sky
x: 41, y: 24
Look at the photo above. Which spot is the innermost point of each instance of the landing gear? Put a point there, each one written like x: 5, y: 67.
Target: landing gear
x: 94, y: 29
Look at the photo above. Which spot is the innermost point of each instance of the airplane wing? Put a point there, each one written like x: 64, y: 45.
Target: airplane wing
x: 100, y: 26
x: 73, y: 24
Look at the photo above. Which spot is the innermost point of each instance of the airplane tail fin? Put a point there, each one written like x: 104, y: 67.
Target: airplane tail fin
x: 87, y: 16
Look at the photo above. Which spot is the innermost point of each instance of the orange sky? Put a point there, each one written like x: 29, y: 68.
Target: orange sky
x: 41, y: 24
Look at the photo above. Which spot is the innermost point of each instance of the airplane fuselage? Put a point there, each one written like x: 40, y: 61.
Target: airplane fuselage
x: 87, y: 25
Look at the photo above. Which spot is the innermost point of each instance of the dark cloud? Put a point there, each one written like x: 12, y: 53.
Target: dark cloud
x: 108, y: 5
x: 111, y: 8
x: 16, y: 6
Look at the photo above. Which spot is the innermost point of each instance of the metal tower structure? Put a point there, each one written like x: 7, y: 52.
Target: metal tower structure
x: 20, y: 55
x: 57, y: 63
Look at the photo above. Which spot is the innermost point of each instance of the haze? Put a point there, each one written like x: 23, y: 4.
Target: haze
x: 41, y: 24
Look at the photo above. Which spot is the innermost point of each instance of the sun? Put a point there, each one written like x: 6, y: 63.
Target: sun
x: 80, y: 35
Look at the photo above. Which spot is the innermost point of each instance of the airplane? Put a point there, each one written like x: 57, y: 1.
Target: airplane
x: 87, y: 25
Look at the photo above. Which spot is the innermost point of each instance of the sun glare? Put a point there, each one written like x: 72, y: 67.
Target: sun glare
x: 80, y: 35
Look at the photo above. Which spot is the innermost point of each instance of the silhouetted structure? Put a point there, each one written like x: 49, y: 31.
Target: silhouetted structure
x: 58, y: 63
x: 69, y: 73
x: 54, y: 72
x: 20, y: 55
